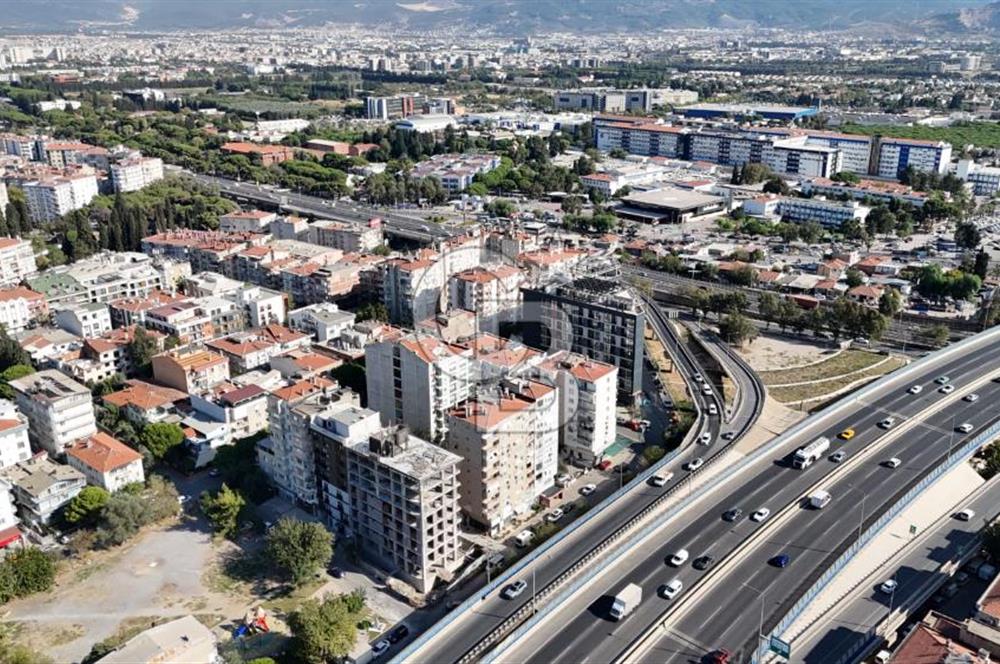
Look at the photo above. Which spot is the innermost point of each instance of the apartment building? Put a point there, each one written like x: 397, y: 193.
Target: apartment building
x: 985, y: 180
x: 287, y: 455
x: 587, y: 391
x: 645, y: 138
x: 63, y: 154
x: 41, y: 486
x: 415, y: 379
x: 878, y: 190
x: 392, y: 108
x: 135, y: 172
x: 90, y: 319
x: 128, y: 311
x: 244, y: 350
x: 242, y: 409
x: 105, y: 277
x: 455, y: 171
x: 248, y: 221
x: 30, y: 148
x: 492, y: 293
x: 20, y: 307
x: 595, y: 317
x: 509, y: 446
x: 52, y: 197
x: 14, y: 444
x: 895, y: 155
x: 184, y: 319
x: 830, y: 214
x: 190, y: 370
x: 413, y: 289
x: 325, y: 321
x: 59, y: 409
x: 17, y: 261
x: 10, y: 534
x: 349, y: 238
x: 106, y: 462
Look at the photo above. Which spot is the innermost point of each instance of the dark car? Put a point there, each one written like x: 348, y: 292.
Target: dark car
x: 336, y: 573
x: 733, y: 515
x: 703, y: 562
x: 720, y: 656
x: 568, y: 508
x: 398, y: 634
x: 781, y: 560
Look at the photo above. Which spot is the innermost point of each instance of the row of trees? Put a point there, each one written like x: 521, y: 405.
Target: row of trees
x: 113, y: 519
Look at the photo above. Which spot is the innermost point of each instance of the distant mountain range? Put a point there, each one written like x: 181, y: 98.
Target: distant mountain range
x: 521, y: 17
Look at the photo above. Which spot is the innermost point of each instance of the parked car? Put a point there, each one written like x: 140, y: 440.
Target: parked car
x: 554, y: 515
x: 380, y: 648
x: 399, y: 633
x: 563, y: 479
x: 588, y: 489
x: 888, y: 586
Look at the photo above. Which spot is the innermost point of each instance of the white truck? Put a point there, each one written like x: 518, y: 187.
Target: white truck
x: 805, y: 456
x: 625, y: 601
x: 820, y: 499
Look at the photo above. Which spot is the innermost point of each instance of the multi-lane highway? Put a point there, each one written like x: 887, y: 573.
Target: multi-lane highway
x: 479, y: 624
x: 729, y: 613
x: 398, y: 223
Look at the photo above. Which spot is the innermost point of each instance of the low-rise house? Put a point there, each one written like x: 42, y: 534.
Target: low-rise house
x: 325, y: 321
x: 42, y: 486
x: 182, y: 641
x: 245, y: 351
x: 866, y: 295
x: 300, y: 364
x: 144, y: 403
x: 192, y: 371
x: 243, y: 409
x: 106, y: 462
x: 45, y: 345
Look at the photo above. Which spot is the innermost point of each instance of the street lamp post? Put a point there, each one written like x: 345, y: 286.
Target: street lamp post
x: 760, y: 596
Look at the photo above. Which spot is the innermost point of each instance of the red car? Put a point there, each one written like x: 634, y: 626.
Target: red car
x: 604, y: 465
x: 720, y: 656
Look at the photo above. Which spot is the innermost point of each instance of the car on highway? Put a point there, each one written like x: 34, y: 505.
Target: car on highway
x: 729, y: 435
x: 965, y: 515
x: 915, y: 389
x: 946, y: 389
x: 705, y: 439
x: 698, y: 378
x: 847, y: 434
x: 781, y: 560
x: 702, y: 563
x: 554, y: 515
x: 732, y: 515
x: 720, y: 656
x: 706, y: 390
x: 679, y: 558
x: 971, y: 398
x: 887, y: 423
x: 712, y: 410
x: 760, y: 514
x: 588, y: 489
x: 941, y: 380
x: 838, y: 456
x: 660, y: 480
x: 513, y: 590
x: 380, y: 648
x: 888, y: 586
x: 894, y: 462
x: 964, y: 428
x: 398, y: 634
x: 671, y: 590
x: 694, y: 464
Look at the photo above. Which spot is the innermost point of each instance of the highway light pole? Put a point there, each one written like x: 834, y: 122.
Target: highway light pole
x: 760, y: 627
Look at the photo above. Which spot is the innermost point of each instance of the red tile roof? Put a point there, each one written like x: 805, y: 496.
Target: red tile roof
x: 102, y: 452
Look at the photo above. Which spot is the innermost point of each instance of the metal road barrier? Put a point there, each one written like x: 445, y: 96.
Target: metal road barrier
x: 959, y: 456
x: 508, y: 624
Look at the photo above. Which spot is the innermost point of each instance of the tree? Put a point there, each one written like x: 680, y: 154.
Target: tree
x: 991, y: 537
x: 890, y: 302
x: 572, y: 205
x: 323, y: 631
x: 936, y: 335
x: 141, y: 349
x: 13, y: 373
x: 776, y: 185
x: 25, y: 571
x: 298, y: 548
x: 981, y: 268
x: 373, y: 311
x: 737, y: 329
x: 11, y: 352
x: 847, y: 177
x: 810, y: 232
x: 967, y: 235
x: 223, y: 509
x: 854, y: 277
x: 768, y: 305
x: 86, y: 506
x: 160, y: 437
x: 122, y: 517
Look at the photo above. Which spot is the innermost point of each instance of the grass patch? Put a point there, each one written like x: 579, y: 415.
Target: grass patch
x: 980, y: 134
x: 209, y: 620
x: 290, y: 601
x: 799, y: 393
x: 832, y: 367
x: 89, y: 569
x: 673, y: 382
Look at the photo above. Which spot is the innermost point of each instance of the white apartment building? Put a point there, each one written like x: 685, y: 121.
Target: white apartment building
x: 413, y: 289
x: 106, y: 462
x: 587, y: 394
x: 349, y: 238
x: 87, y: 320
x: 249, y: 221
x: 50, y: 198
x: 263, y: 306
x: 509, y: 444
x: 415, y: 380
x: 798, y: 157
x: 41, y: 486
x: 855, y: 149
x: 647, y: 138
x: 405, y: 505
x: 14, y: 444
x: 9, y: 533
x: 325, y: 321
x: 830, y: 214
x: 134, y: 173
x: 985, y: 180
x: 242, y: 409
x: 17, y: 261
x: 113, y: 275
x: 59, y: 409
x: 19, y: 307
x: 492, y: 293
x: 896, y: 154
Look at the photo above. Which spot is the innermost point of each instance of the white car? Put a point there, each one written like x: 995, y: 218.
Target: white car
x: 698, y: 378
x: 887, y: 423
x: 888, y: 587
x: 670, y: 590
x: 706, y: 390
x: 941, y: 380
x: 712, y: 410
x: 554, y: 515
x: 657, y: 480
x: 760, y: 514
x: 705, y: 439
x: 964, y: 428
x: 971, y: 398
x: 894, y: 462
x: 915, y: 389
x: 380, y: 648
x: 563, y: 479
x: 965, y: 515
x: 679, y: 558
x: 694, y: 464
x: 588, y: 489
x: 946, y: 389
